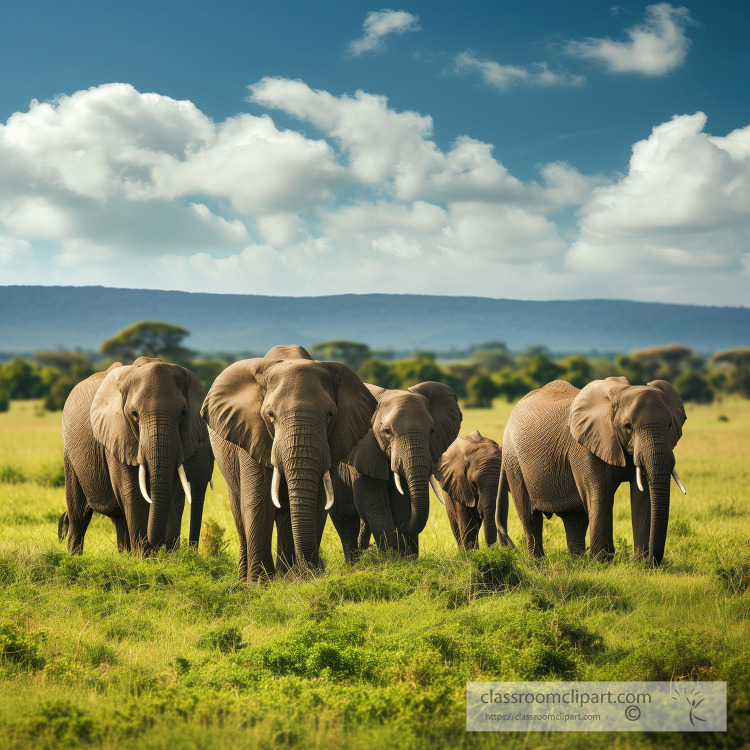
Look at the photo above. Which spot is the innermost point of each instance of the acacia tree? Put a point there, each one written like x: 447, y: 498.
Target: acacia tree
x: 351, y: 353
x: 739, y: 374
x: 149, y: 338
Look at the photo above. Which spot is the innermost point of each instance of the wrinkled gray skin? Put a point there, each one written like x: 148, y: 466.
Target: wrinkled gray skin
x: 567, y: 450
x: 469, y: 474
x: 288, y: 413
x: 148, y: 414
x: 410, y: 431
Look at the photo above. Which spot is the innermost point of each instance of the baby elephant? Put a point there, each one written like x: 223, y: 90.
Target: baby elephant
x: 469, y: 473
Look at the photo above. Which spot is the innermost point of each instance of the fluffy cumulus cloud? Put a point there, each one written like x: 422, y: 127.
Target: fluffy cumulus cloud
x: 113, y: 186
x: 657, y: 46
x: 380, y: 24
x: 504, y: 77
x: 681, y: 211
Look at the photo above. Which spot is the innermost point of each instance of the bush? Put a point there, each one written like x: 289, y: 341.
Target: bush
x: 4, y: 400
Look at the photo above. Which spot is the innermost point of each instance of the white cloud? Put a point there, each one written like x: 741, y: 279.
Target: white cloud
x: 378, y: 25
x: 368, y: 203
x: 682, y: 210
x: 657, y: 46
x: 504, y: 77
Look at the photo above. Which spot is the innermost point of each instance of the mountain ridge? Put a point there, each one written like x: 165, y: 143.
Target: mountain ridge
x: 35, y: 318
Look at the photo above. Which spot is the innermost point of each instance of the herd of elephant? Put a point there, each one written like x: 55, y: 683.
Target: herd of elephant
x: 298, y: 440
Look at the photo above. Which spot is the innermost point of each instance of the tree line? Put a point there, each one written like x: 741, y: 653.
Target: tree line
x: 488, y: 371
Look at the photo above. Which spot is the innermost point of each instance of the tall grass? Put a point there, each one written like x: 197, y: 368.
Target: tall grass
x: 108, y: 649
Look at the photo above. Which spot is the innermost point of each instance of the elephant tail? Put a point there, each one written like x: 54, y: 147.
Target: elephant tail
x: 501, y: 511
x: 62, y: 526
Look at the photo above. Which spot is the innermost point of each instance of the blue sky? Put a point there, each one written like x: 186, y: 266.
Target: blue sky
x: 537, y: 150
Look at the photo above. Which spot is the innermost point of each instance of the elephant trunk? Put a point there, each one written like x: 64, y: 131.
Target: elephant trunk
x: 416, y: 467
x: 656, y: 460
x: 486, y: 507
x: 160, y: 440
x: 200, y: 469
x: 302, y: 455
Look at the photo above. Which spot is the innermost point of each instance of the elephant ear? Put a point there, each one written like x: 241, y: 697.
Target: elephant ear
x: 193, y: 431
x: 232, y: 408
x: 376, y: 390
x: 591, y: 420
x: 368, y: 459
x: 676, y: 409
x: 445, y: 414
x: 355, y: 406
x: 110, y: 426
x: 450, y: 471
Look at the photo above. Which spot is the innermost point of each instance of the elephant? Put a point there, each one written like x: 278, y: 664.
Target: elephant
x: 277, y: 424
x: 134, y: 446
x: 469, y: 474
x: 382, y: 486
x: 567, y: 450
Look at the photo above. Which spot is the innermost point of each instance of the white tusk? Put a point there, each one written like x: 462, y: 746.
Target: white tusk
x: 185, y: 485
x: 142, y: 482
x: 329, y: 489
x: 638, y: 478
x: 679, y: 483
x: 436, y: 489
x: 211, y: 482
x: 397, y: 478
x: 275, y: 484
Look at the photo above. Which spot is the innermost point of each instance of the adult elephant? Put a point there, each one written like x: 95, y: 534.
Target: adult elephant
x: 469, y: 474
x: 382, y: 486
x: 277, y: 424
x: 133, y: 439
x: 567, y: 450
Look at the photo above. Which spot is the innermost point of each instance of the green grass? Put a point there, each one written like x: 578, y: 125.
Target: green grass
x: 110, y: 650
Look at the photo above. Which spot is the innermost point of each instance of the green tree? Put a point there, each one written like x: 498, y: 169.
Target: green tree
x: 577, y: 370
x: 4, y: 400
x: 22, y: 380
x: 351, y: 353
x: 663, y: 362
x: 512, y: 385
x: 149, y: 338
x: 377, y: 372
x: 65, y: 361
x: 492, y: 360
x: 480, y: 391
x: 540, y: 370
x: 208, y: 370
x: 692, y: 386
x: 737, y: 362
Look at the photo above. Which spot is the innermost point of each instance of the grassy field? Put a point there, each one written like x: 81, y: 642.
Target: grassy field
x: 107, y: 649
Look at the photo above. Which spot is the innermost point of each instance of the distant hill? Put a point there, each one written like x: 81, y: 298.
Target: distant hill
x: 34, y: 318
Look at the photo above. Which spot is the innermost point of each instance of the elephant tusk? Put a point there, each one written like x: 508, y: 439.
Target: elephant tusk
x: 184, y: 482
x: 397, y: 479
x: 275, y: 484
x: 329, y: 489
x: 436, y: 489
x: 676, y: 477
x: 638, y: 478
x: 142, y: 482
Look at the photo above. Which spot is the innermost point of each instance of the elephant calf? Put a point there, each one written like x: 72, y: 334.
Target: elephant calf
x: 469, y: 473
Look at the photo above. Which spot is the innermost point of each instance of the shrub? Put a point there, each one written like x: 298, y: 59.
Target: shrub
x: 226, y: 639
x: 19, y: 647
x: 214, y: 543
x: 4, y: 400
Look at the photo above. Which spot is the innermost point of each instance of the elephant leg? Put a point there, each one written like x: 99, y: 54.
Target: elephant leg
x: 285, y: 555
x: 640, y: 512
x: 258, y: 515
x: 602, y: 534
x: 79, y: 511
x: 363, y: 538
x: 470, y: 525
x: 576, y: 524
x: 533, y: 530
x: 408, y: 545
x: 123, y: 537
x: 236, y: 508
x: 451, y: 510
x: 134, y: 506
x: 344, y: 514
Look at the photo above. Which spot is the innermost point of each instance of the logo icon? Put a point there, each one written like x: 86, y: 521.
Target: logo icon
x: 690, y: 695
x: 632, y: 713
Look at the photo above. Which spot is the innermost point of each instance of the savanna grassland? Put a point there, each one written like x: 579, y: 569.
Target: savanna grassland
x: 110, y: 650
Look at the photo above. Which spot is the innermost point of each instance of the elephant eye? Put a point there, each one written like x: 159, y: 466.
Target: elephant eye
x: 387, y: 431
x: 271, y: 415
x: 134, y: 414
